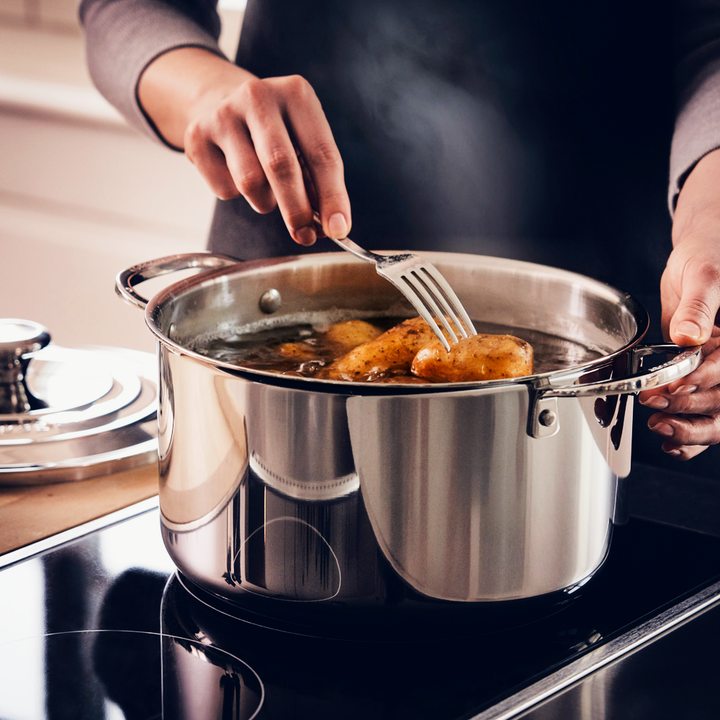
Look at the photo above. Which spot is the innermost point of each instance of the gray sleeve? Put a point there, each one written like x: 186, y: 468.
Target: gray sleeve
x: 124, y: 36
x: 697, y: 123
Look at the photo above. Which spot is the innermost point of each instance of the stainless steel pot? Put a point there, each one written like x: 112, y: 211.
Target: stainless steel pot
x: 298, y: 491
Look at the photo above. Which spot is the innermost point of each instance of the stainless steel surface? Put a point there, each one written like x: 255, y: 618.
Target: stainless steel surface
x: 560, y: 696
x: 474, y: 492
x: 682, y: 362
x: 79, y: 413
x: 163, y: 266
x: 424, y: 287
x: 299, y: 530
x: 469, y: 507
x: 544, y: 420
x: 19, y: 339
x: 458, y: 519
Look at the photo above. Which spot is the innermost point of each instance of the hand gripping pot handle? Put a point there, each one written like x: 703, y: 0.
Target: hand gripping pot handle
x: 127, y: 279
x: 683, y: 362
x: 543, y: 420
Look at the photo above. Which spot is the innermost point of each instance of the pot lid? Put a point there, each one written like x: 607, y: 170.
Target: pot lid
x: 70, y: 414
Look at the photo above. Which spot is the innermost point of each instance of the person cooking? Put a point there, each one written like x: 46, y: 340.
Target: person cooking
x: 530, y: 130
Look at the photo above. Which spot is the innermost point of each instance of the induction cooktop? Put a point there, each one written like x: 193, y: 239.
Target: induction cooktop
x: 97, y: 623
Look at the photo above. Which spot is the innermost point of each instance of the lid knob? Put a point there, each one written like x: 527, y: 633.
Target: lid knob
x: 19, y: 339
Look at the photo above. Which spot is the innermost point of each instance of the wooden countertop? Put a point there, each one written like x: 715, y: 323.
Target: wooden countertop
x: 35, y: 512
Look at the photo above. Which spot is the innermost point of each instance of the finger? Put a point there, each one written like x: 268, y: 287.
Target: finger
x: 686, y: 429
x: 686, y: 402
x: 276, y: 154
x: 682, y: 452
x: 209, y: 159
x: 694, y: 318
x: 706, y: 376
x: 245, y: 168
x: 654, y: 397
x: 312, y: 196
x: 321, y: 159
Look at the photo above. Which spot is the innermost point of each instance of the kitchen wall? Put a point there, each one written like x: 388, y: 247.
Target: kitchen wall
x: 82, y: 196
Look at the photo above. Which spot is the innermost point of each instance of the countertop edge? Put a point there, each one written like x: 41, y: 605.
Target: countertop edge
x: 67, y: 536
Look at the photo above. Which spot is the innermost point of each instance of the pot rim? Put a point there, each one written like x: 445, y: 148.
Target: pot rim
x: 566, y: 376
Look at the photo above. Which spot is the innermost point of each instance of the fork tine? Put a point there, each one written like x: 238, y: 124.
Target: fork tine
x: 435, y: 290
x: 431, y: 299
x: 453, y: 302
x: 423, y: 286
x: 408, y: 290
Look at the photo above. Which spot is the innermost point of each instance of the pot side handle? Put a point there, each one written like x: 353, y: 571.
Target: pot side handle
x: 543, y: 417
x: 126, y: 280
x: 683, y: 362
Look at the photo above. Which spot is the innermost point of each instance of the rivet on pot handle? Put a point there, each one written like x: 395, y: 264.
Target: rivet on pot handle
x: 544, y: 418
x: 126, y: 280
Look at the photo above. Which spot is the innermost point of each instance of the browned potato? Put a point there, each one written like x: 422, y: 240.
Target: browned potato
x: 351, y: 333
x: 296, y: 350
x: 338, y: 339
x: 402, y: 380
x: 479, y: 357
x: 391, y: 353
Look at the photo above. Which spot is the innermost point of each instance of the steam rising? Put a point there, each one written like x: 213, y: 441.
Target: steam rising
x: 445, y: 140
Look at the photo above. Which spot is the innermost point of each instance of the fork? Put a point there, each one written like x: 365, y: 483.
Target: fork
x: 424, y: 286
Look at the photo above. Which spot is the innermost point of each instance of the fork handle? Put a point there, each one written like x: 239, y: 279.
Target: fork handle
x: 355, y: 249
x: 347, y: 244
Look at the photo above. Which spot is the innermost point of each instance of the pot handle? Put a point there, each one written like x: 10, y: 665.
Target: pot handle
x: 126, y: 280
x: 543, y: 418
x: 683, y: 362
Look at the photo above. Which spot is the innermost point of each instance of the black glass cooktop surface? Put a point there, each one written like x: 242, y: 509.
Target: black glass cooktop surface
x: 102, y: 626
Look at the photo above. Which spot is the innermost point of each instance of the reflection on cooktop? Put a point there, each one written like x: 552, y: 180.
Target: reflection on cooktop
x: 135, y: 675
x: 103, y: 628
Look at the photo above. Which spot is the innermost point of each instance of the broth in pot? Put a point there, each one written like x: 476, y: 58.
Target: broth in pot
x: 392, y: 350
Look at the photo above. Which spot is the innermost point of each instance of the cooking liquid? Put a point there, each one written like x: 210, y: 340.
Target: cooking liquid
x: 259, y: 349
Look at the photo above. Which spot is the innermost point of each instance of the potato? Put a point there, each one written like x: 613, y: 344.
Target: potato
x: 351, y: 333
x: 402, y: 380
x: 391, y: 353
x: 479, y: 357
x: 296, y: 350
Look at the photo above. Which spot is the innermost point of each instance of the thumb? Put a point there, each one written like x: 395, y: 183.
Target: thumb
x: 693, y: 319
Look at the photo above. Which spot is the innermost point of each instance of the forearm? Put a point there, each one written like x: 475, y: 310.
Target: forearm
x: 697, y: 78
x: 124, y: 36
x: 265, y: 139
x: 178, y: 85
x: 698, y: 206
x: 691, y: 283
